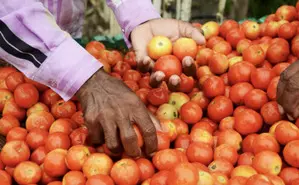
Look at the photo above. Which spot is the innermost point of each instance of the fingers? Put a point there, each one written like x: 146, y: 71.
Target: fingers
x: 95, y: 131
x: 174, y: 82
x: 189, y: 67
x: 145, y: 64
x: 156, y: 78
x: 155, y: 121
x: 148, y: 130
x: 111, y: 134
x: 187, y: 30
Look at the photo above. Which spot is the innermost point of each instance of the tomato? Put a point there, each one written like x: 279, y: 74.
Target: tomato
x: 36, y: 138
x: 289, y: 174
x: 251, y: 30
x: 144, y: 82
x: 160, y: 178
x: 158, y: 96
x: 258, y: 179
x: 213, y: 86
x: 237, y: 180
x: 219, y: 108
x: 270, y: 112
x: 5, y: 178
x: 243, y: 171
x: 183, y: 173
x: 74, y: 178
x: 230, y: 137
x: 279, y: 68
x: 13, y: 80
x: 240, y: 72
x: 97, y: 163
x: 226, y: 26
x: 26, y: 95
x: 41, y: 120
x: 62, y: 109
x: 100, y: 179
x: 7, y: 123
x: 203, y: 71
x: 203, y: 125
x: 261, y: 78
x: 27, y: 172
x: 94, y: 48
x: 37, y: 108
x: 287, y: 31
x: 182, y: 141
x: 11, y: 108
x: 181, y: 127
x: 159, y: 46
x: 16, y: 133
x: 130, y: 58
x: 49, y: 97
x: 190, y: 112
x: 5, y: 71
x: 254, y: 54
x: 169, y: 65
x: 245, y: 158
x: 272, y: 88
x: 132, y: 75
x: 222, y: 47
x: 255, y: 99
x: 265, y: 141
x: 238, y: 92
x: 277, y: 52
x: 290, y: 153
x: 57, y: 140
x: 210, y: 29
x: 201, y: 135
x: 200, y: 99
x: 248, y: 121
x: 121, y: 67
x: 78, y: 118
x: 267, y: 162
x: 14, y: 152
x: 172, y: 159
x: 295, y: 49
x: 184, y: 47
x: 248, y: 143
x: 200, y: 152
x: 286, y: 132
x: 5, y: 95
x: 242, y: 45
x: 286, y: 12
x: 146, y: 168
x: 187, y: 83
x: 125, y: 171
x: 38, y: 155
x: 218, y: 63
x: 54, y: 163
x: 227, y: 152
x: 211, y: 42
x: 76, y: 157
x: 221, y: 165
x: 234, y: 36
x: 204, y: 55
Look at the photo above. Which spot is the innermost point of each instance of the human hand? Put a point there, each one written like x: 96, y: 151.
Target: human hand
x: 288, y: 91
x: 171, y: 28
x: 110, y: 109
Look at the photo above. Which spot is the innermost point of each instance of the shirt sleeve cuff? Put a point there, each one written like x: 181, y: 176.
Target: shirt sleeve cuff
x: 67, y: 69
x: 132, y: 13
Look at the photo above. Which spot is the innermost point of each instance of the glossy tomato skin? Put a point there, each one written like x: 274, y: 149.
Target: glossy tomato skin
x: 146, y: 168
x: 38, y: 155
x: 76, y: 157
x: 74, y: 178
x: 234, y: 36
x: 270, y: 112
x: 199, y: 152
x: 158, y: 96
x: 219, y: 108
x: 213, y: 86
x: 261, y: 78
x: 290, y: 153
x: 16, y: 133
x: 26, y: 95
x: 240, y: 72
x: 100, y: 179
x: 36, y: 138
x: 169, y: 65
x: 289, y: 174
x: 125, y: 171
x: 226, y: 26
x: 248, y: 122
x: 255, y: 99
x: 27, y: 172
x: 55, y: 159
x: 163, y: 141
x: 159, y: 159
x: 238, y: 91
x: 160, y: 178
x: 62, y: 109
x: 130, y: 58
x: 191, y: 112
x: 14, y: 152
x: 182, y: 141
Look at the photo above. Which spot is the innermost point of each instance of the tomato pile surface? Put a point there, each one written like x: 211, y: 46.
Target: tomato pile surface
x: 221, y: 126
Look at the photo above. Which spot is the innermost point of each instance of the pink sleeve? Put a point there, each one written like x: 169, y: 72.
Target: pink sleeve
x: 31, y: 40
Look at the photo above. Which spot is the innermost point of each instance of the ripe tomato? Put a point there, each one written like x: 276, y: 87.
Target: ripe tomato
x: 132, y: 75
x: 218, y: 63
x: 227, y: 152
x: 168, y: 128
x: 279, y: 68
x: 277, y: 52
x: 242, y: 45
x: 26, y: 95
x: 243, y: 171
x: 211, y: 42
x: 146, y: 168
x: 16, y: 133
x: 74, y: 178
x: 240, y: 72
x: 238, y: 92
x: 61, y: 125
x: 125, y: 171
x: 97, y: 163
x: 54, y: 163
x: 159, y: 46
x: 227, y: 123
x: 5, y: 178
x: 254, y: 54
x: 172, y: 159
x: 14, y: 152
x: 41, y: 120
x: 181, y: 127
x: 287, y: 31
x: 27, y: 172
x: 234, y: 36
x: 289, y: 174
x: 290, y: 153
x: 213, y: 86
x: 130, y: 58
x: 11, y: 108
x: 190, y: 112
x: 100, y: 179
x: 286, y: 132
x: 57, y: 140
x: 187, y: 83
x: 245, y: 158
x: 230, y: 137
x: 62, y: 109
x: 258, y: 179
x: 270, y: 112
x: 248, y: 121
x: 222, y: 47
x: 201, y: 135
x: 200, y: 152
x: 203, y: 125
x: 5, y: 95
x: 200, y: 99
x: 248, y: 143
x: 76, y: 156
x: 36, y: 138
x: 203, y: 56
x: 160, y: 178
x: 144, y: 82
x: 13, y: 80
x: 7, y: 123
x: 94, y: 48
x: 267, y: 162
x: 261, y: 78
x: 5, y: 71
x: 183, y: 173
x: 49, y: 97
x: 272, y: 88
x: 265, y: 141
x: 251, y: 30
x: 210, y: 29
x: 226, y: 26
x: 182, y: 141
x: 169, y: 65
x: 37, y: 108
x: 255, y: 99
x: 237, y: 180
x: 163, y: 141
x: 221, y: 166
x: 286, y: 12
x: 158, y: 96
x: 219, y: 108
x: 184, y: 47
x: 38, y: 155
x: 121, y: 67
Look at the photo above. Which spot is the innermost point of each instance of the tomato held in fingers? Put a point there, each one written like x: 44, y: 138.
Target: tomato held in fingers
x: 159, y: 46
x: 169, y: 65
x: 184, y: 47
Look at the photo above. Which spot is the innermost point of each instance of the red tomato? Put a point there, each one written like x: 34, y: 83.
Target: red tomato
x: 132, y: 85
x: 240, y: 72
x: 221, y: 165
x: 125, y: 171
x: 121, y: 67
x: 74, y: 178
x: 36, y: 138
x: 49, y: 97
x: 265, y: 142
x: 94, y: 48
x: 226, y: 26
x: 14, y: 152
x: 7, y: 123
x: 160, y: 162
x: 182, y: 141
x: 200, y: 152
x: 267, y: 162
x: 238, y: 92
x: 278, y: 52
x: 13, y: 80
x: 230, y: 137
x: 248, y: 121
x: 146, y: 168
x: 254, y: 54
x: 227, y: 152
x: 57, y: 140
x: 219, y: 108
x: 204, y: 55
x: 286, y: 132
x: 163, y: 141
x: 169, y: 65
x: 76, y: 156
x: 287, y: 31
x: 213, y: 41
x: 289, y: 174
x: 100, y: 179
x: 245, y: 158
x: 158, y: 96
x: 38, y: 155
x: 62, y: 109
x: 183, y: 173
x: 98, y: 163
x: 132, y: 75
x: 290, y: 153
x: 261, y: 78
x: 130, y: 58
x: 190, y: 112
x: 255, y: 99
x: 213, y: 86
x: 27, y: 172
x: 160, y: 178
x: 16, y: 133
x: 144, y: 82
x: 222, y: 47
x: 234, y: 36
x: 26, y: 95
x: 187, y: 83
x: 270, y: 112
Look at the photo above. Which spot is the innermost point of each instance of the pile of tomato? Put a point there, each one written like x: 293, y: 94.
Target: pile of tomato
x: 220, y: 126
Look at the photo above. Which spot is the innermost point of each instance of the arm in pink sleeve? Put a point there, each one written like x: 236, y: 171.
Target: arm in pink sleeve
x: 131, y: 13
x: 31, y: 40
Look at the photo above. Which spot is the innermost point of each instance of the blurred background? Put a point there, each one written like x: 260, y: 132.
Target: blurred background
x: 100, y: 20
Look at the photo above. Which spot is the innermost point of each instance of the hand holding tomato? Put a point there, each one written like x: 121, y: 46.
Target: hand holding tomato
x: 110, y: 107
x: 288, y: 90
x: 172, y: 30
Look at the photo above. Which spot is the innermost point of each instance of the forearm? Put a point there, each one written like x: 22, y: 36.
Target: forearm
x: 31, y: 40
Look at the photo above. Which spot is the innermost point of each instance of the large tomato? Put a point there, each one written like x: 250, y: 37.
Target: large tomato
x: 248, y: 121
x: 169, y: 65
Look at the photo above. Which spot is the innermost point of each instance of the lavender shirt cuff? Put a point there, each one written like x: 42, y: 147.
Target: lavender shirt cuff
x: 131, y: 13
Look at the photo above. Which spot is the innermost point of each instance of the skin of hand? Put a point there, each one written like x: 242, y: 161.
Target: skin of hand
x: 110, y: 110
x: 173, y: 29
x: 288, y: 91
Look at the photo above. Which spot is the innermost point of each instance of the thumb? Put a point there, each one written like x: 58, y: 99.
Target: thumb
x: 187, y: 30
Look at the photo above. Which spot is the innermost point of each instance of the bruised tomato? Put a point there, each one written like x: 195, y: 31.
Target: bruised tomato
x: 125, y: 171
x: 248, y: 121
